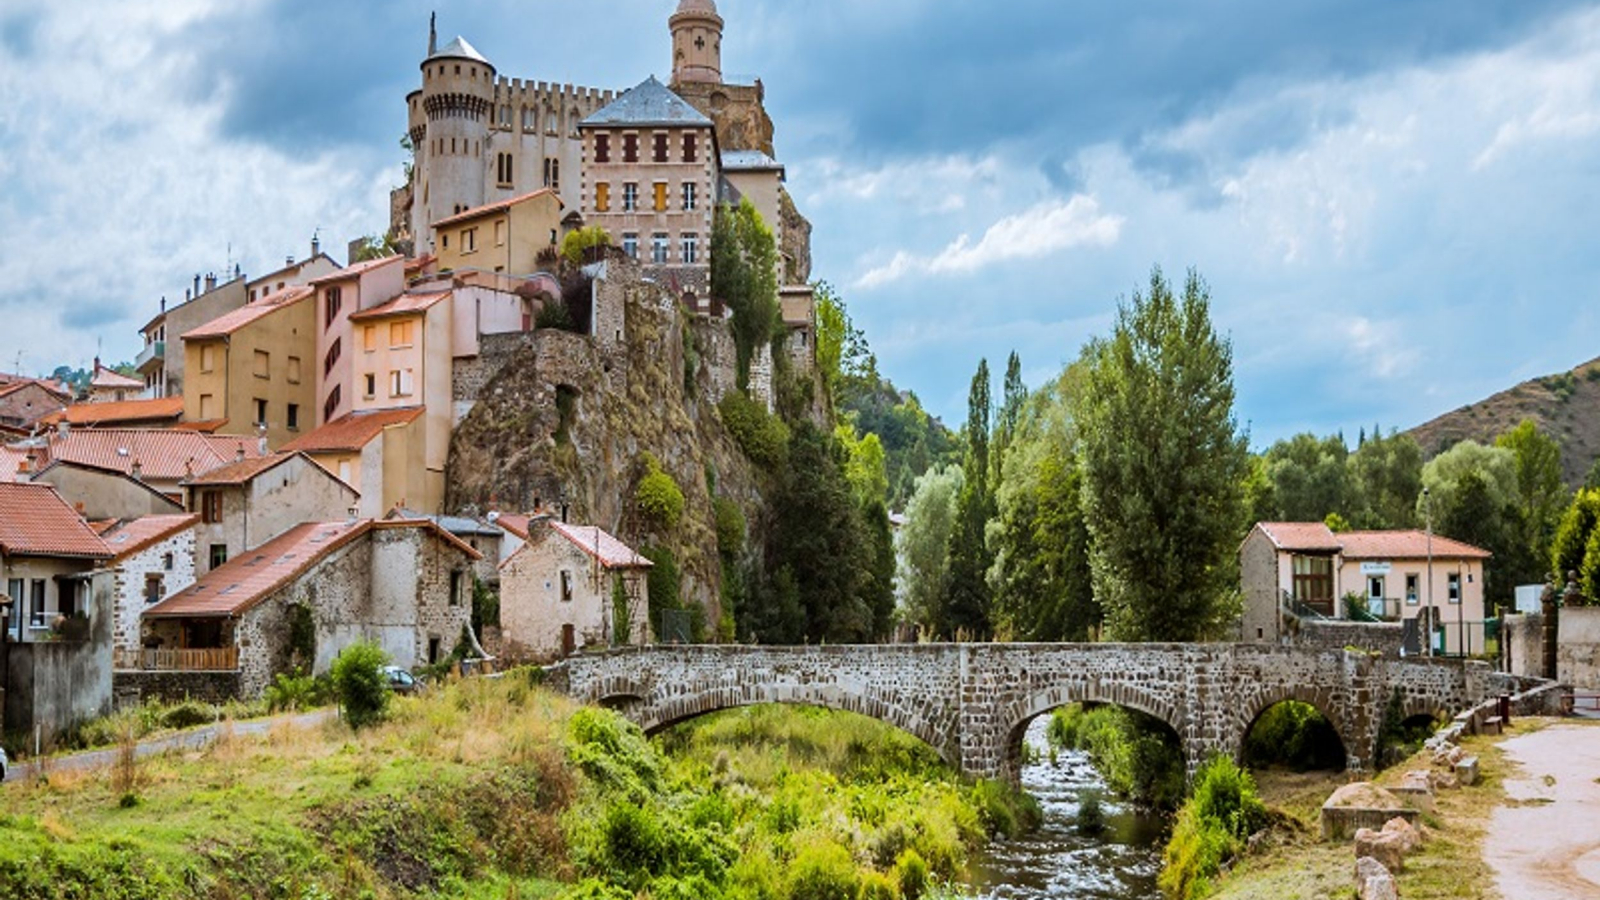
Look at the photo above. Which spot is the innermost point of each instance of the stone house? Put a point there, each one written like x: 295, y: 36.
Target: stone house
x: 1291, y: 570
x: 557, y: 592
x: 109, y: 386
x: 24, y: 401
x: 300, y: 599
x: 158, y: 457
x: 99, y: 493
x: 247, y: 504
x: 484, y: 537
x: 154, y: 558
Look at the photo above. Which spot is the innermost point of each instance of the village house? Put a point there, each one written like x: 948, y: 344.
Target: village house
x: 560, y: 591
x: 504, y: 236
x: 25, y: 401
x: 109, y: 386
x: 160, y: 412
x: 480, y: 536
x: 159, y: 458
x: 361, y: 286
x: 377, y: 452
x: 301, y: 598
x: 99, y: 493
x: 249, y: 370
x: 153, y: 557
x: 1304, y: 569
x: 246, y: 504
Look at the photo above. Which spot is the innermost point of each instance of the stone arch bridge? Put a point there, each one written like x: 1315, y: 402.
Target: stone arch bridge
x: 972, y: 702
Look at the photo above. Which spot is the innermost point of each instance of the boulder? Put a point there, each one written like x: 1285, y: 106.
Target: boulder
x: 1361, y: 804
x: 1373, y: 881
x: 1410, y: 837
x: 1416, y: 788
x: 1467, y: 770
x: 1387, y: 847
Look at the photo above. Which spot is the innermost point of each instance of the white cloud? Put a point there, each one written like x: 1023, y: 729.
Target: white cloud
x: 1042, y: 230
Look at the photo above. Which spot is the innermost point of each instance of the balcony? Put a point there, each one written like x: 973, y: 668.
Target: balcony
x: 153, y: 353
x: 204, y: 659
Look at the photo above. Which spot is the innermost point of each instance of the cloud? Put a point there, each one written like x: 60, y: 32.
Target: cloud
x: 1042, y: 230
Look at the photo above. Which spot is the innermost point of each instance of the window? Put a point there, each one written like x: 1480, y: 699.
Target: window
x: 630, y: 148
x: 500, y: 232
x: 566, y: 586
x: 263, y: 364
x: 166, y: 561
x: 446, y: 239
x: 208, y: 358
x: 630, y: 196
x: 552, y: 174
x: 688, y: 148
x: 455, y: 588
x: 36, y: 606
x: 331, y: 405
x: 630, y: 244
x: 552, y: 121
x: 211, y: 507
x: 1313, y: 582
x: 332, y: 357
x: 292, y: 417
x: 372, y: 385
x: 602, y: 148
x: 219, y: 555
x: 1411, y: 589
x: 208, y: 407
x: 154, y: 587
x: 502, y: 169
x: 261, y: 411
x: 688, y: 195
x: 400, y: 383
x: 661, y: 146
x: 1453, y: 581
x: 602, y: 197
x: 469, y: 240
x: 333, y: 300
x: 661, y: 196
x: 658, y: 248
x: 293, y: 374
x: 527, y: 118
x: 400, y: 334
x: 369, y: 338
x: 505, y: 115
x: 691, y: 248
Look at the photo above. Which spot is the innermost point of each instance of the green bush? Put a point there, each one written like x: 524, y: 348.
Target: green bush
x: 1210, y: 828
x: 730, y: 528
x: 762, y: 436
x: 823, y: 871
x: 913, y: 874
x: 878, y: 886
x: 360, y: 685
x: 1005, y: 810
x: 1091, y: 814
x: 188, y: 714
x: 1136, y: 754
x: 576, y: 245
x: 294, y: 692
x: 658, y: 496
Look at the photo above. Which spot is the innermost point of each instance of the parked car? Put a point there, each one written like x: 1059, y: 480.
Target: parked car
x: 402, y: 681
x: 5, y: 764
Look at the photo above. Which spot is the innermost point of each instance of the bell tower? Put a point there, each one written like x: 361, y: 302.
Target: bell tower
x: 696, y: 42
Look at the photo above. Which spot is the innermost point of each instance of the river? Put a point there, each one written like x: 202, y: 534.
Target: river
x: 1056, y: 861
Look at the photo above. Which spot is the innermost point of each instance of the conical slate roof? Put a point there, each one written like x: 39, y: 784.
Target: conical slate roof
x: 460, y: 49
x: 651, y: 103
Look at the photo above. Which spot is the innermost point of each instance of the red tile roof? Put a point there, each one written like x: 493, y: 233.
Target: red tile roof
x: 497, y: 206
x: 108, y: 378
x: 405, y: 304
x: 516, y: 523
x: 1412, y: 544
x: 55, y: 390
x: 35, y: 521
x: 162, y: 454
x: 129, y: 537
x: 598, y: 543
x: 228, y: 323
x: 352, y: 431
x: 244, y: 581
x: 119, y: 412
x: 241, y: 472
x: 1305, y: 536
x: 355, y: 270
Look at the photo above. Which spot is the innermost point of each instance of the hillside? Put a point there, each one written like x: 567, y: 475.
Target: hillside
x: 1565, y: 406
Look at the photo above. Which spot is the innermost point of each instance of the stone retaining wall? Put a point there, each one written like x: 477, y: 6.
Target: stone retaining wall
x: 1383, y: 637
x: 132, y: 687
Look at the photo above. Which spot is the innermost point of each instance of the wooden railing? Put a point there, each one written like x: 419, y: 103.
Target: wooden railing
x: 206, y: 659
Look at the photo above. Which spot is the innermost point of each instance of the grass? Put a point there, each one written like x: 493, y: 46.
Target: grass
x: 1292, y: 863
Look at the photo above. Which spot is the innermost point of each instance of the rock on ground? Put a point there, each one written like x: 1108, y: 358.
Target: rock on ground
x: 1373, y: 881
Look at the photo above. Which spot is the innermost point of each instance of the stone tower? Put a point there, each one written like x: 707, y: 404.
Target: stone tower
x: 449, y: 121
x: 696, y: 42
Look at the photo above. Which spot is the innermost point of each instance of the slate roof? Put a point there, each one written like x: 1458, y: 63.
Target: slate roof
x: 128, y: 538
x: 749, y: 161
x: 351, y: 431
x: 35, y: 521
x: 456, y: 525
x: 228, y: 323
x: 460, y: 49
x: 650, y: 103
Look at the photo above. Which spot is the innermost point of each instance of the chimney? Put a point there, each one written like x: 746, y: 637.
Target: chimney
x: 353, y: 513
x: 316, y: 246
x: 188, y: 469
x: 211, y: 282
x: 136, y: 470
x: 187, y: 296
x: 63, y: 427
x: 96, y: 366
x: 261, y: 439
x: 163, y: 302
x: 288, y: 259
x: 238, y: 455
x: 197, y: 284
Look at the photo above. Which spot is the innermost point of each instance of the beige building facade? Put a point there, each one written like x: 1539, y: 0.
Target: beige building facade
x: 247, y: 504
x: 251, y: 372
x: 504, y: 237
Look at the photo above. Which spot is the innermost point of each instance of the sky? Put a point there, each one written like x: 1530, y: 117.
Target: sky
x: 1395, y: 203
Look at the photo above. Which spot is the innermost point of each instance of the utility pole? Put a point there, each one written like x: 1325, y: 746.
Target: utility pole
x: 1427, y: 506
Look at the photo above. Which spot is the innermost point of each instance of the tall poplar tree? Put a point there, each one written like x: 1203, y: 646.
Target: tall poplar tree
x: 1164, y: 464
x: 966, y: 595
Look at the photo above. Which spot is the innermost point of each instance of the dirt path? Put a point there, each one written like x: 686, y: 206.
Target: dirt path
x: 193, y: 739
x: 1544, y: 843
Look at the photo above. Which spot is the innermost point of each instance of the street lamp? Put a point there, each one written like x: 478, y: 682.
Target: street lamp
x: 1427, y: 506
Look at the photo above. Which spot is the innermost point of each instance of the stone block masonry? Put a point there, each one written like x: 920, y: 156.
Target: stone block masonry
x: 972, y: 702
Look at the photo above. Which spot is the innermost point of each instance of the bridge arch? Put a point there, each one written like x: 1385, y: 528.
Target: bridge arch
x: 1320, y: 700
x: 1021, y: 713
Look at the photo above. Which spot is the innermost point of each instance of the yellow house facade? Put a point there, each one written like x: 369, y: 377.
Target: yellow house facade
x: 252, y: 367
x: 504, y: 237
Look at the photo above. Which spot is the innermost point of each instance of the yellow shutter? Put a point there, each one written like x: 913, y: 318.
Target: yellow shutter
x: 661, y: 196
x: 602, y: 196
x: 369, y: 338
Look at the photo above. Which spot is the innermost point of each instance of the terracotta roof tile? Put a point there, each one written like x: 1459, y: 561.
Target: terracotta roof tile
x: 1306, y: 536
x: 118, y: 412
x: 228, y: 323
x: 129, y: 537
x: 355, y: 270
x: 239, y: 584
x: 1410, y: 544
x: 240, y: 472
x: 35, y: 521
x: 108, y: 378
x: 497, y: 206
x: 598, y: 543
x: 162, y: 454
x: 516, y: 523
x: 352, y: 431
x: 404, y: 304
